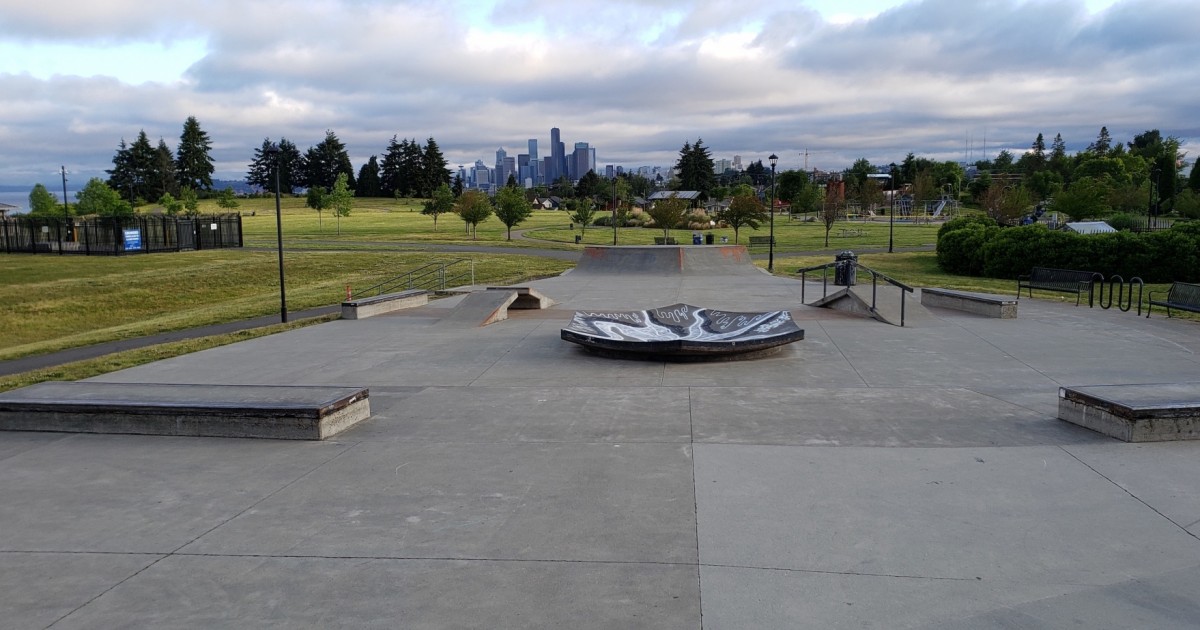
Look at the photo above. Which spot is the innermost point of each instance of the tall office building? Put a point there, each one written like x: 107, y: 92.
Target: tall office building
x: 558, y: 161
x: 579, y: 165
x: 534, y: 163
x: 501, y: 176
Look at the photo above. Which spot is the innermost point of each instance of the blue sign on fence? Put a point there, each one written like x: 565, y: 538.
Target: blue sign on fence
x: 133, y: 239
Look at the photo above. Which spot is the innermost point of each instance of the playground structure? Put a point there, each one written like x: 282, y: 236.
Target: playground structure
x: 907, y: 210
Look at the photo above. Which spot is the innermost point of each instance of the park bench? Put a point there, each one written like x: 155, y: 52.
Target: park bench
x: 1181, y: 295
x: 851, y: 232
x: 760, y: 241
x: 1061, y: 280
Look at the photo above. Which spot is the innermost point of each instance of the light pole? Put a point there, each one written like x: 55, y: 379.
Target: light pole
x: 614, y: 218
x: 1153, y: 209
x: 276, y: 156
x: 771, y: 246
x: 66, y: 208
x: 892, y: 209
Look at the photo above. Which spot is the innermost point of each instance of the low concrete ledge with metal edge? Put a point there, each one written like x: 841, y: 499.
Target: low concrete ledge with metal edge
x: 986, y: 304
x: 386, y: 303
x: 1135, y: 413
x: 248, y: 411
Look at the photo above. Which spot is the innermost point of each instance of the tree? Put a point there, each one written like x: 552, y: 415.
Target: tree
x: 432, y: 171
x: 317, y: 199
x: 562, y: 188
x: 474, y: 208
x: 170, y: 203
x: 1059, y: 162
x: 262, y: 169
x: 457, y: 186
x: 324, y: 162
x: 1194, y: 179
x: 809, y: 200
x: 1003, y: 162
x: 1034, y: 160
x: 695, y: 167
x: 42, y: 203
x: 790, y: 185
x: 191, y: 204
x: 667, y: 213
x: 341, y: 199
x: 441, y: 202
x: 227, y: 199
x: 1006, y: 204
x: 134, y: 169
x: 368, y: 179
x: 165, y: 180
x: 590, y: 186
x: 1084, y: 199
x: 193, y: 165
x: 512, y: 207
x: 834, y: 209
x: 745, y: 210
x: 1103, y: 143
x: 99, y: 199
x: 583, y: 212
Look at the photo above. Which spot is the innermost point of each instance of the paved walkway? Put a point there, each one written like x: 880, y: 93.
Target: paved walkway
x: 869, y: 476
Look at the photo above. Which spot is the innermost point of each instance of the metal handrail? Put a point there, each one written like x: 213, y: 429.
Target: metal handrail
x: 431, y: 276
x: 824, y: 268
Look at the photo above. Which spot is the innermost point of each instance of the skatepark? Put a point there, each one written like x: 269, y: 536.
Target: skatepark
x: 866, y: 476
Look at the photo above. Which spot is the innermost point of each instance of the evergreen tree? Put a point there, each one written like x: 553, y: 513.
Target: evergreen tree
x: 262, y: 169
x: 368, y: 179
x: 193, y: 165
x: 143, y: 162
x: 695, y: 167
x: 324, y: 162
x: 433, y: 168
x: 457, y: 188
x: 411, y: 156
x: 227, y: 200
x: 42, y: 203
x: 120, y: 176
x: 1103, y: 143
x: 590, y: 186
x: 164, y: 171
x: 1194, y: 178
x: 389, y: 168
x: 1059, y: 162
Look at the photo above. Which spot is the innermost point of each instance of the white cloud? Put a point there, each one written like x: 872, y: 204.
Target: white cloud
x: 635, y: 78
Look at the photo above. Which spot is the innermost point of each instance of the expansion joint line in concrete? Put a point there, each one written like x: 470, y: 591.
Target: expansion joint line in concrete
x: 844, y: 357
x: 695, y: 507
x: 938, y: 578
x: 1183, y: 528
x: 1007, y: 354
x: 160, y: 558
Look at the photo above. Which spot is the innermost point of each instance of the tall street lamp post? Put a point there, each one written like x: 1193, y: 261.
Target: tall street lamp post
x: 771, y: 246
x: 614, y: 217
x: 1153, y: 209
x: 892, y: 210
x: 276, y: 157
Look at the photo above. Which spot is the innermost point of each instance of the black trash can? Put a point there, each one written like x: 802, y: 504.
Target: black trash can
x: 845, y: 272
x: 578, y: 238
x: 710, y: 238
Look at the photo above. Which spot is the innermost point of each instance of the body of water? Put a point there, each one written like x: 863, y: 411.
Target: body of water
x: 21, y: 199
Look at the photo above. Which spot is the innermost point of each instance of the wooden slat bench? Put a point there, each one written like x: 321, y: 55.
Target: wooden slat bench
x: 1181, y: 295
x: 1061, y: 280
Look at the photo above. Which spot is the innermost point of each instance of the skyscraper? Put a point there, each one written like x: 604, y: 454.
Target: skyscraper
x: 534, y: 163
x: 501, y: 175
x: 558, y: 161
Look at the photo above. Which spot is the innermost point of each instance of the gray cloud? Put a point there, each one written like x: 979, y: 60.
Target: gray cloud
x: 636, y: 79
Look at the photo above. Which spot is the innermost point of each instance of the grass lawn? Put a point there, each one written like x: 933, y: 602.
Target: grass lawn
x: 54, y: 302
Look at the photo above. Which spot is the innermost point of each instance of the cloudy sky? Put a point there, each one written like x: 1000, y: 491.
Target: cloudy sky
x: 945, y: 79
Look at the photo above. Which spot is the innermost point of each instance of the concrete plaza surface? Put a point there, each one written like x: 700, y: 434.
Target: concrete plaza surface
x: 869, y: 476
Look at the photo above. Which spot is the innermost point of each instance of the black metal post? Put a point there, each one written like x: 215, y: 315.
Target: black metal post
x: 274, y: 150
x: 892, y: 212
x: 771, y: 246
x: 614, y: 217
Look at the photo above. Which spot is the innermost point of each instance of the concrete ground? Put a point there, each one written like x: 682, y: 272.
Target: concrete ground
x: 869, y: 476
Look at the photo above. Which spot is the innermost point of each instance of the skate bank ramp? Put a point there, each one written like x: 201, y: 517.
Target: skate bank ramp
x: 667, y: 260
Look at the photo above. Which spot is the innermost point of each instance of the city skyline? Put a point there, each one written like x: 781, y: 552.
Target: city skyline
x: 636, y: 80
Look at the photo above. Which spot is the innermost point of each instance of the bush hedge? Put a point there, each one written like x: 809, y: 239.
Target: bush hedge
x: 976, y: 246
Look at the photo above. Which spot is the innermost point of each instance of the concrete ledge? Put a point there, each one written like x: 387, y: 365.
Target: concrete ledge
x: 985, y: 304
x: 256, y: 411
x: 1135, y: 413
x: 380, y: 304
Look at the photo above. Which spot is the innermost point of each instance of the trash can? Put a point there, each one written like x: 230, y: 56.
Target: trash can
x: 578, y: 238
x: 710, y: 238
x: 696, y: 239
x: 845, y: 269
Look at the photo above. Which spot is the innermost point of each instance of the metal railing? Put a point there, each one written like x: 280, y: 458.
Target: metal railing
x: 431, y: 277
x: 875, y: 276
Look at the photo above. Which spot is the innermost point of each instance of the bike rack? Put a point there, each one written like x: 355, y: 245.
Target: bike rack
x: 1123, y: 303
